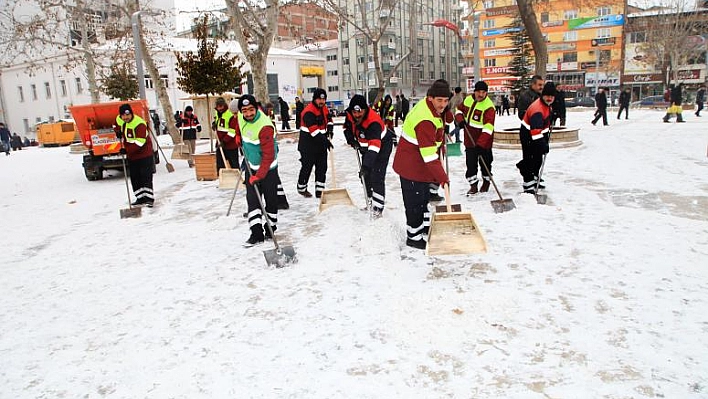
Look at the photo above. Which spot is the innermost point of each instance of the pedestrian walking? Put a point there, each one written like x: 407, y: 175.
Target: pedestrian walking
x: 315, y: 134
x: 455, y: 102
x: 505, y: 105
x: 478, y: 115
x: 405, y: 107
x: 5, y: 139
x: 601, y: 105
x: 700, y: 99
x: 417, y: 161
x: 299, y: 106
x: 624, y: 99
x: 675, y: 107
x: 188, y: 125
x: 284, y: 114
x: 136, y: 145
x: 529, y: 95
x: 397, y: 109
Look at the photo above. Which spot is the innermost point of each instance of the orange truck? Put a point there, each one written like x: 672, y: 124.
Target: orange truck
x: 95, y: 125
x: 57, y: 133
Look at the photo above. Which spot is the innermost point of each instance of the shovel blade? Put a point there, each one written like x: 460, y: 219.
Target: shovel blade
x: 130, y: 213
x: 280, y: 257
x: 170, y: 167
x: 503, y: 205
x: 453, y: 208
x: 541, y: 199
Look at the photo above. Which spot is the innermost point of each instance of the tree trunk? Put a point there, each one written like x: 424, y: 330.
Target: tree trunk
x: 258, y: 71
x: 528, y: 16
x: 88, y: 54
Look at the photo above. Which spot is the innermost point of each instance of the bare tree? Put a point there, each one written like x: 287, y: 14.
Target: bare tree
x: 528, y: 17
x: 358, y: 18
x: 254, y: 24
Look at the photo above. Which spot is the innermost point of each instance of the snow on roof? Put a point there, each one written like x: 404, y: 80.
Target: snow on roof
x: 325, y: 45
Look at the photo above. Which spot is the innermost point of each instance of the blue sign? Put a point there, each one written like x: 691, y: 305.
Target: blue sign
x: 501, y: 31
x: 596, y: 22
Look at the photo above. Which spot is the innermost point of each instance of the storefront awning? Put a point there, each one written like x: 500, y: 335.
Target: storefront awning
x: 312, y: 71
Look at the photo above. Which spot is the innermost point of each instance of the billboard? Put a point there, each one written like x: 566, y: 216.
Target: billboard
x: 596, y: 22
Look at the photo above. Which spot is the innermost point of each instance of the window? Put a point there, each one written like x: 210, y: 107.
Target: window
x: 332, y: 57
x: 62, y: 87
x: 164, y: 80
x: 345, y: 61
x: 21, y: 94
x: 570, y: 14
x: 442, y: 62
x: 360, y: 76
x: 51, y: 118
x: 544, y: 17
x: 605, y: 56
x: 490, y: 62
x: 148, y: 82
x: 637, y: 37
x: 488, y: 23
x: 570, y: 57
x: 603, y: 32
x: 332, y: 88
x: 431, y: 59
x: 33, y: 88
x: 488, y: 4
x: 47, y: 90
x: 346, y: 44
x: 571, y: 36
x: 347, y: 78
x: 490, y: 43
x: 431, y: 75
x: 37, y: 120
x: 332, y: 73
x: 360, y: 59
x: 79, y: 86
x: 604, y: 10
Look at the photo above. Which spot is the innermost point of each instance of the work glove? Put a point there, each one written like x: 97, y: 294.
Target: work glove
x: 253, y: 180
x: 199, y: 128
x: 330, y: 131
x: 122, y: 151
x: 213, y: 126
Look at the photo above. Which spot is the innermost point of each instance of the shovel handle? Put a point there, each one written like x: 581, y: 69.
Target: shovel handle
x: 447, y: 198
x: 484, y: 164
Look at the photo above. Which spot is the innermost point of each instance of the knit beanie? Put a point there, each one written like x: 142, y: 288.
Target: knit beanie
x: 481, y: 85
x: 549, y: 89
x: 440, y: 88
x: 220, y: 101
x: 358, y: 101
x: 245, y: 100
x: 188, y: 108
x: 125, y: 109
x: 319, y: 93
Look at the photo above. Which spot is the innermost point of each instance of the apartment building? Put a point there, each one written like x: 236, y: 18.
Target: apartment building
x: 584, y: 44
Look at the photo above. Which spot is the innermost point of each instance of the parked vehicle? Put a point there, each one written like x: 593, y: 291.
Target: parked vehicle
x: 95, y: 125
x: 580, y: 102
x: 651, y: 102
x: 52, y: 134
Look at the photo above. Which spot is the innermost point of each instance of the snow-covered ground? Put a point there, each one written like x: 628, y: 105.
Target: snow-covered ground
x: 602, y: 294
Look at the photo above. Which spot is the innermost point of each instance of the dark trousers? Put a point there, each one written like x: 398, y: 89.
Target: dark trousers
x: 297, y: 121
x: 531, y: 159
x: 416, y: 196
x: 624, y: 108
x: 375, y: 179
x: 700, y: 108
x: 600, y: 113
x: 141, y: 171
x: 268, y: 188
x: 286, y: 123
x: 230, y: 155
x: 472, y: 159
x: 308, y: 160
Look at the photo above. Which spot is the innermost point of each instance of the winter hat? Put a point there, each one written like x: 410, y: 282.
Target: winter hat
x: 220, y: 101
x: 357, y: 103
x: 245, y: 100
x: 549, y: 89
x: 440, y: 88
x: 188, y: 108
x: 481, y: 85
x: 125, y: 109
x: 319, y: 93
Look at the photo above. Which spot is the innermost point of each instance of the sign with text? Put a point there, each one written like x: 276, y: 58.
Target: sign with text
x: 496, y: 11
x: 561, y: 46
x: 596, y: 22
x: 605, y: 41
x: 496, y: 70
x: 602, y: 78
x: 642, y: 78
x: 562, y: 66
x: 500, y: 31
x: 498, y: 51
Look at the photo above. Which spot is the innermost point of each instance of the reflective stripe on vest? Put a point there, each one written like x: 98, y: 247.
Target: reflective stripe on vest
x: 128, y: 130
x: 250, y: 137
x: 421, y: 112
x: 482, y: 106
x: 222, y: 124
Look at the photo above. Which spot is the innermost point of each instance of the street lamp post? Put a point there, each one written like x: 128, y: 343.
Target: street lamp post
x: 475, y: 34
x: 135, y: 23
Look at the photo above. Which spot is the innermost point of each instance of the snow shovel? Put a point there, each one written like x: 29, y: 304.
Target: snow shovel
x: 334, y: 196
x: 168, y: 165
x: 540, y: 198
x: 502, y: 204
x: 131, y: 211
x: 280, y: 256
x: 238, y: 183
x: 454, y: 233
x: 453, y: 207
x: 228, y: 177
x: 363, y: 184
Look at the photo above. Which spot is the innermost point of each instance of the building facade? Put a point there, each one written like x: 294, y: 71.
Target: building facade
x: 426, y: 52
x: 329, y: 51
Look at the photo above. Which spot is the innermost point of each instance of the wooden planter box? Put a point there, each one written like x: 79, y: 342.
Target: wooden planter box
x: 205, y: 166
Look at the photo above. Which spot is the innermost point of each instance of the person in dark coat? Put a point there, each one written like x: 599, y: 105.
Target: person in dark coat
x: 625, y: 98
x: 284, y: 114
x: 405, y: 107
x: 16, y: 142
x: 535, y: 138
x: 675, y: 105
x: 5, y: 138
x: 558, y: 107
x: 529, y: 95
x: 700, y: 98
x: 299, y: 106
x: 601, y: 104
x: 188, y: 125
x: 316, y: 133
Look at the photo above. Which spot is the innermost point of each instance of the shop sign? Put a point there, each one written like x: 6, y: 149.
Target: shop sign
x: 500, y: 31
x: 602, y: 79
x: 688, y: 74
x: 596, y: 22
x: 562, y: 66
x: 496, y: 70
x: 497, y: 11
x: 605, y: 41
x: 561, y: 46
x: 644, y: 78
x: 552, y: 23
x: 499, y: 51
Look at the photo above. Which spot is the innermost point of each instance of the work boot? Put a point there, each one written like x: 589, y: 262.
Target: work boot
x: 666, y: 118
x: 473, y: 190
x: 485, y: 186
x: 283, y: 205
x: 418, y: 244
x: 679, y: 119
x: 305, y: 193
x: 267, y: 234
x: 256, y: 236
x: 376, y: 213
x: 530, y: 186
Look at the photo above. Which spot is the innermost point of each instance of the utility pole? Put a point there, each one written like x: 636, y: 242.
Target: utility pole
x: 414, y: 61
x: 446, y: 37
x: 475, y: 33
